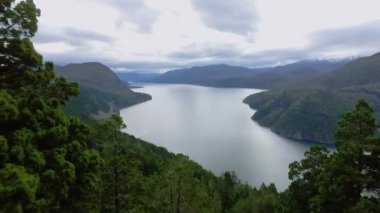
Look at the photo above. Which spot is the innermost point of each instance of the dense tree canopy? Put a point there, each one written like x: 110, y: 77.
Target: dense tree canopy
x: 45, y: 163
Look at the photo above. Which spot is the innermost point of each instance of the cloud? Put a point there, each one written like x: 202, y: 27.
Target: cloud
x: 147, y: 65
x: 339, y: 43
x: 359, y: 40
x: 231, y: 54
x: 234, y: 16
x: 351, y: 41
x: 70, y: 36
x: 134, y: 12
x: 273, y: 57
x: 86, y: 34
x: 357, y: 37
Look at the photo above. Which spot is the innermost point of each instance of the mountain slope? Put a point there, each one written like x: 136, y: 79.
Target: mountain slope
x: 311, y: 111
x: 101, y: 91
x: 362, y: 71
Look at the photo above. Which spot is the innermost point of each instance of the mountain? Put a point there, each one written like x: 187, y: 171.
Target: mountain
x: 101, y: 91
x: 321, y: 66
x: 270, y: 79
x: 136, y: 76
x: 311, y: 111
x: 262, y: 78
x: 282, y: 76
x: 360, y: 72
x: 93, y: 75
x: 205, y: 75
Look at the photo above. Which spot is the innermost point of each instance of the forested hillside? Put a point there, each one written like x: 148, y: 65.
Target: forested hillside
x: 310, y: 111
x: 101, y: 91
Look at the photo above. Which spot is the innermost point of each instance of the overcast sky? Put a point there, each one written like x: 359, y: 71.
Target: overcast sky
x: 157, y: 35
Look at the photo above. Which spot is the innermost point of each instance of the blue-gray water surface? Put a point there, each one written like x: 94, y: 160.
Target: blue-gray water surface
x: 214, y: 128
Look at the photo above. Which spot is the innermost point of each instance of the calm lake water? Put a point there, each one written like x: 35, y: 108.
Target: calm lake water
x: 214, y: 128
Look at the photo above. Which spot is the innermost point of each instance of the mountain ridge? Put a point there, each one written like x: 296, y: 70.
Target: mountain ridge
x: 222, y: 75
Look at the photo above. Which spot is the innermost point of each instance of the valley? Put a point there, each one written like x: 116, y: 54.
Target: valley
x: 304, y: 100
x: 189, y: 106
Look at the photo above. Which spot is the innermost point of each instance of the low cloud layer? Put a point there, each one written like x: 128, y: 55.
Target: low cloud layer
x: 70, y: 36
x: 195, y: 51
x: 237, y: 16
x: 358, y: 37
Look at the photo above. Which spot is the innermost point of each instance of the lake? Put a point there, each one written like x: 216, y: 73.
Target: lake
x: 214, y: 128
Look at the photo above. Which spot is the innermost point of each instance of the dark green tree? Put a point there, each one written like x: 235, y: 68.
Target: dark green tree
x: 18, y: 58
x: 356, y: 128
x: 355, y: 167
x: 119, y: 170
x: 263, y: 200
x: 227, y: 189
x: 45, y: 164
x: 182, y: 190
x: 346, y: 180
x: 304, y: 176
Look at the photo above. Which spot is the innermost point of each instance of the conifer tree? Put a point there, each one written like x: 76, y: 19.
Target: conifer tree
x: 44, y: 160
x: 346, y: 180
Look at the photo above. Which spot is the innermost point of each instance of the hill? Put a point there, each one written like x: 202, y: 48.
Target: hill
x: 101, y: 91
x: 311, y: 111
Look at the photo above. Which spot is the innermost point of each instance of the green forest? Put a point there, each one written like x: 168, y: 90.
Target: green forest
x: 51, y: 161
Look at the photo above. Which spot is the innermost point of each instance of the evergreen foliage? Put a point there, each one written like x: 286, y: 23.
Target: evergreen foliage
x: 346, y: 180
x: 44, y: 154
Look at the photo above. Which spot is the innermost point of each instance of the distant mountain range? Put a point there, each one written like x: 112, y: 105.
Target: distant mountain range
x: 205, y: 75
x: 101, y: 91
x: 234, y: 76
x: 136, y: 76
x: 282, y: 76
x: 310, y: 111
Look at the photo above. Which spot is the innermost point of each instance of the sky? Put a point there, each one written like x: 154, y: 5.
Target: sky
x: 160, y: 35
